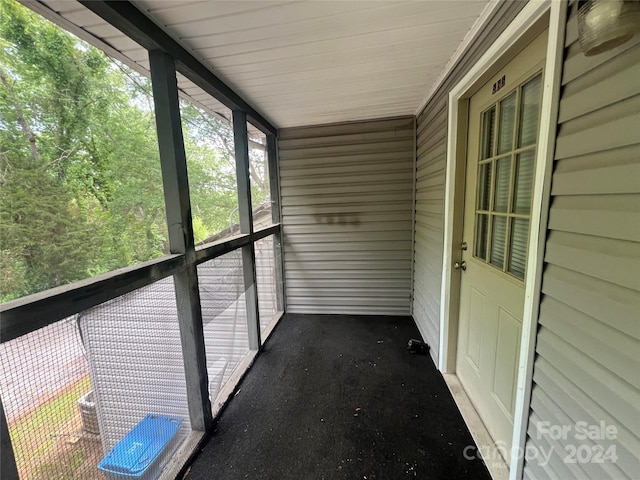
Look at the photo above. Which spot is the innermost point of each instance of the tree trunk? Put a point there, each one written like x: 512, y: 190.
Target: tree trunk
x: 21, y: 119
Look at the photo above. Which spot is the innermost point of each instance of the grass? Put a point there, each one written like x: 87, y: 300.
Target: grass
x: 41, y: 437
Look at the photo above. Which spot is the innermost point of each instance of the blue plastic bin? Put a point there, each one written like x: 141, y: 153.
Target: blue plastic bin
x: 144, y: 451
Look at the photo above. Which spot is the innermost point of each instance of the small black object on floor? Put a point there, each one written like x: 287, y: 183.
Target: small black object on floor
x: 340, y: 397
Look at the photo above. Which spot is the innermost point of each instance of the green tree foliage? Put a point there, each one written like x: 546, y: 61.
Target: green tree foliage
x: 80, y: 180
x: 211, y: 165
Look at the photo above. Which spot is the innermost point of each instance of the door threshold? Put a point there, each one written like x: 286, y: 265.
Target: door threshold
x: 484, y: 447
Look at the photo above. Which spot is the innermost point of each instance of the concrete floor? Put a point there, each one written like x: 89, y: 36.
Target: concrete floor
x: 340, y: 397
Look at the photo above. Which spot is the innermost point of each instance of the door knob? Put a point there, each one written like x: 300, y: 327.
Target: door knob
x: 460, y: 265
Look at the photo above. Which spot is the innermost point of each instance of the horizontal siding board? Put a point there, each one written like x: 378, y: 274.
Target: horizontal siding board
x: 345, y: 310
x: 396, y: 145
x: 369, y: 284
x: 544, y: 406
x: 352, y: 208
x: 349, y: 225
x: 577, y: 63
x: 367, y: 138
x: 295, y: 165
x: 432, y: 121
x: 345, y: 199
x: 533, y: 471
x: 550, y: 383
x: 610, y: 216
x: 590, y: 377
x: 613, y: 305
x: 433, y: 159
x: 395, y: 292
x: 614, y: 261
x: 312, y: 249
x: 339, y: 169
x: 359, y: 275
x: 347, y: 220
x: 321, y: 221
x: 556, y: 469
x: 436, y: 194
x: 613, y: 82
x: 610, y: 127
x: 351, y: 301
x: 437, y: 137
x: 587, y: 365
x: 434, y: 179
x: 293, y: 239
x: 429, y: 226
x: 611, y: 348
x: 614, y: 171
x: 341, y: 180
x: 380, y: 255
x: 341, y: 265
x: 546, y: 443
x: 344, y: 129
x: 431, y: 209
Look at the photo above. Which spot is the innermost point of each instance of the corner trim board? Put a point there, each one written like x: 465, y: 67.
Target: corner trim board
x: 539, y: 221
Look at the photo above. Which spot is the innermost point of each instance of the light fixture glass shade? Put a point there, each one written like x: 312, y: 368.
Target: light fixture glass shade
x: 605, y: 24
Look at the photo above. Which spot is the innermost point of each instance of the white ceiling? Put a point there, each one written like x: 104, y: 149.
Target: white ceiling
x: 306, y: 62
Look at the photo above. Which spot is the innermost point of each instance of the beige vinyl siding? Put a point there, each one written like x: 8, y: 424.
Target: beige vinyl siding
x: 347, y: 195
x: 430, y: 180
x: 587, y: 365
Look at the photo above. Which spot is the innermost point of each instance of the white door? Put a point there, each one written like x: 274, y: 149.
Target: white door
x: 503, y: 130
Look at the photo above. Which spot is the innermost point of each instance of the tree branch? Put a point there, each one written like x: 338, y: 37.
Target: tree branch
x: 21, y: 118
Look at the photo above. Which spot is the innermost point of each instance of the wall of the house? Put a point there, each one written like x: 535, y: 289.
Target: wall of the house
x: 431, y: 162
x: 588, y: 344
x: 347, y: 195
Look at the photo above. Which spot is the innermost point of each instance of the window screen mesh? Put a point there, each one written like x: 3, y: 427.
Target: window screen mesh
x: 259, y: 176
x: 224, y: 315
x: 135, y: 358
x: 266, y: 279
x: 44, y: 375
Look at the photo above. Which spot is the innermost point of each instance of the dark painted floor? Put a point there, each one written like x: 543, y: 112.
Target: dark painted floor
x: 340, y: 397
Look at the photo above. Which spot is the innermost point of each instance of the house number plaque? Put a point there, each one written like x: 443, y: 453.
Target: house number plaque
x: 499, y: 84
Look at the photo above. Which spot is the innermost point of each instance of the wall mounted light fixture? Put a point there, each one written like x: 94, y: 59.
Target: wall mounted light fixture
x: 605, y: 24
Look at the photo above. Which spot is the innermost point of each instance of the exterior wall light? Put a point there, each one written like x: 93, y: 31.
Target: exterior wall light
x: 605, y: 24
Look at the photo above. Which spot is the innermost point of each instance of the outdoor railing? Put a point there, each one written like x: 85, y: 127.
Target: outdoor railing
x: 72, y: 387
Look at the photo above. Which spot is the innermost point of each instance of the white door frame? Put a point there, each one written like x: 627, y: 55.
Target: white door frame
x: 529, y: 15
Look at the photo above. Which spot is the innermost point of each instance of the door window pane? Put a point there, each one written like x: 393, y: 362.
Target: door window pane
x: 482, y: 226
x: 507, y: 123
x: 529, y: 108
x: 518, y: 247
x: 524, y: 181
x: 505, y: 184
x: 488, y: 122
x: 503, y: 179
x: 484, y: 199
x: 498, y: 237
